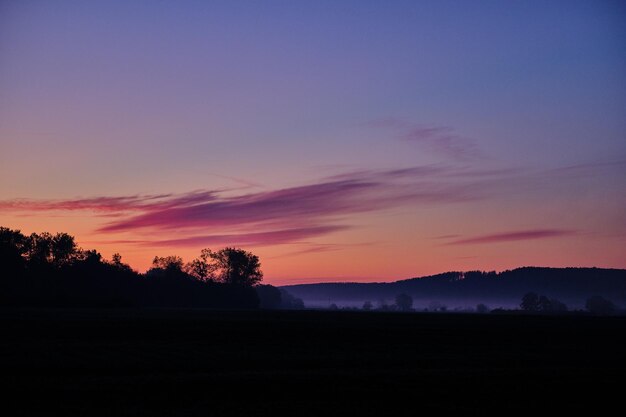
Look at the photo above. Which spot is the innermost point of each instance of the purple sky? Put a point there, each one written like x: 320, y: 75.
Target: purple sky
x: 328, y: 137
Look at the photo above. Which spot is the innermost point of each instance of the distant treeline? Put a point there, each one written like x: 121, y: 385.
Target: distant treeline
x: 46, y: 270
x: 531, y: 303
x: 572, y: 286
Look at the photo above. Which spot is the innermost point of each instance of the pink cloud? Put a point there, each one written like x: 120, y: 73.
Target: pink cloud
x: 276, y: 216
x: 275, y: 237
x: 104, y: 204
x: 514, y: 236
x: 290, y: 205
x: 313, y: 204
x: 108, y: 204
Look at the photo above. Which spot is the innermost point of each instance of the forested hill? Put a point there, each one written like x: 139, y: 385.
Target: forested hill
x: 464, y: 289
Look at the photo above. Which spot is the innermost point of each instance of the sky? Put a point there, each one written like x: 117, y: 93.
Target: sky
x: 337, y: 140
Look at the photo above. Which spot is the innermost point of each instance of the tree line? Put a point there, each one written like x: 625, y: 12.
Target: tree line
x: 537, y: 303
x: 51, y: 270
x: 531, y: 303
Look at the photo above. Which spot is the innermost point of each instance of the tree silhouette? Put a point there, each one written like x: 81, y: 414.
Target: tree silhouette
x: 269, y: 296
x: 404, y: 302
x: 534, y: 302
x: 64, y: 249
x: 557, y: 306
x: 39, y: 248
x: 168, y: 263
x: 202, y: 267
x: 599, y: 305
x: 482, y: 309
x: 530, y: 302
x: 437, y: 306
x: 45, y: 270
x: 544, y: 304
x: 116, y: 261
x: 12, y: 248
x: 236, y: 266
x: 289, y: 302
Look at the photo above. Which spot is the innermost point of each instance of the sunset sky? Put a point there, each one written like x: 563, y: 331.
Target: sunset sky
x: 337, y: 140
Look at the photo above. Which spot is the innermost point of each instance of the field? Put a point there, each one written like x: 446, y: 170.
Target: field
x: 306, y: 363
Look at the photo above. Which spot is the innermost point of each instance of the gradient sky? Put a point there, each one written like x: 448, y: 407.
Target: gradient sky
x: 339, y: 140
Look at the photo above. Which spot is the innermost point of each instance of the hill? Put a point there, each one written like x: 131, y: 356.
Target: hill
x: 466, y: 289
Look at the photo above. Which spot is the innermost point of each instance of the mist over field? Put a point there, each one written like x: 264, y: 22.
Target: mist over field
x: 458, y: 291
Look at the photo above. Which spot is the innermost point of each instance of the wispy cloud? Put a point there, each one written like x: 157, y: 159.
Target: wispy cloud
x: 440, y: 140
x: 109, y: 204
x: 443, y: 141
x: 591, y: 168
x: 310, y: 247
x: 103, y: 204
x: 292, y: 205
x: 268, y: 217
x: 275, y: 237
x: 514, y: 236
x: 452, y: 236
x: 313, y: 204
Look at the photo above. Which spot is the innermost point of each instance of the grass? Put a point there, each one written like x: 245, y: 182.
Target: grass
x: 305, y: 363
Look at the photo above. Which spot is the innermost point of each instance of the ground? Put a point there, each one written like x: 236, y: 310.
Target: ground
x: 306, y: 363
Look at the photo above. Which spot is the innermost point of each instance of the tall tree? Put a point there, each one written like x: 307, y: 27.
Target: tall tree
x: 39, y: 248
x: 63, y: 249
x: 236, y: 266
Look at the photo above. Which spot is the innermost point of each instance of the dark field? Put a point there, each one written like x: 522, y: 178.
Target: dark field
x: 306, y: 363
